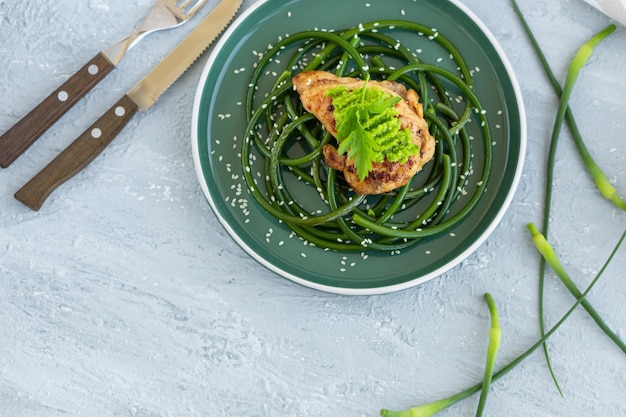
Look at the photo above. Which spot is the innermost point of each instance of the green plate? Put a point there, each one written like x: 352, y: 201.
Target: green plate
x: 219, y: 122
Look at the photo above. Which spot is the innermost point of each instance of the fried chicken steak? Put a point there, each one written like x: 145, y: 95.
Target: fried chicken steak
x: 312, y: 87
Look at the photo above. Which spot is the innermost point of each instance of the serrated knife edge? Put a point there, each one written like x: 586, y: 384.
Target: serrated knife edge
x: 148, y: 90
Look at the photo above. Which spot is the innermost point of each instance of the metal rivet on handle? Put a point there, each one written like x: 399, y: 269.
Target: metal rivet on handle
x: 63, y: 96
x: 93, y: 69
x: 96, y: 133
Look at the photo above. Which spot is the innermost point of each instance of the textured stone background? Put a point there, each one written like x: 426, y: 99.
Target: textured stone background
x: 124, y: 296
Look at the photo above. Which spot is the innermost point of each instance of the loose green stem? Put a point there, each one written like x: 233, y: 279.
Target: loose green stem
x: 550, y: 256
x: 432, y: 408
x: 495, y: 334
x: 583, y: 55
x: 542, y: 264
x: 427, y: 410
x: 564, y: 111
x: 602, y: 182
x: 579, y: 61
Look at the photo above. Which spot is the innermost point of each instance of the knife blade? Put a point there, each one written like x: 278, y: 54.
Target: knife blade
x: 139, y: 98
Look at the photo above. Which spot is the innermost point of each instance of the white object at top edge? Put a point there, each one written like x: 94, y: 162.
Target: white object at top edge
x: 615, y: 9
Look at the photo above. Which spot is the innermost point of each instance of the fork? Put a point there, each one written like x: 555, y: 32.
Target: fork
x: 164, y: 14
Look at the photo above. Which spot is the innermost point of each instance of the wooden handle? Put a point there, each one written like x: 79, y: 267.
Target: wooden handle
x: 23, y: 134
x: 78, y: 155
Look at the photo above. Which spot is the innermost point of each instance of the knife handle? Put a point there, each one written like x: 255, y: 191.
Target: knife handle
x: 78, y: 154
x: 25, y: 132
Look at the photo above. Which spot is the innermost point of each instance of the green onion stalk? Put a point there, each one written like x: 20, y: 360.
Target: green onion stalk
x: 550, y: 256
x: 430, y: 409
x: 495, y: 334
x: 606, y: 189
x: 599, y: 177
x: 579, y: 61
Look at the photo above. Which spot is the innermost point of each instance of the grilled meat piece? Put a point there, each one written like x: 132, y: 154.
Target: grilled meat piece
x: 386, y: 176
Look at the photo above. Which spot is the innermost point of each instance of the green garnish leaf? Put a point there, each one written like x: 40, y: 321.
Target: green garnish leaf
x: 360, y: 144
x: 382, y: 104
x: 368, y: 127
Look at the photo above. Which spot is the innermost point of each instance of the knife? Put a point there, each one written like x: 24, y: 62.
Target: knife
x: 139, y: 98
x: 164, y: 14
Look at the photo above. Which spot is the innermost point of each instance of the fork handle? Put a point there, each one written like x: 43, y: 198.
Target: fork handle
x: 23, y: 134
x: 78, y: 154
